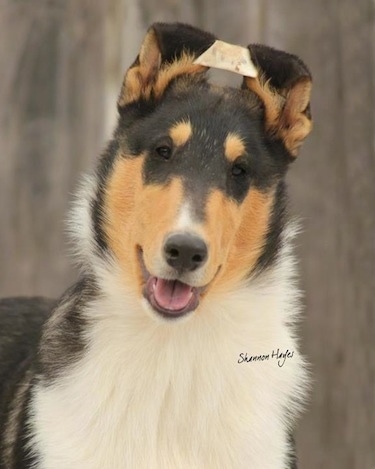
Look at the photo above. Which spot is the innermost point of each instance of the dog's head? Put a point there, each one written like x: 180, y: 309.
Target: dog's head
x: 190, y: 198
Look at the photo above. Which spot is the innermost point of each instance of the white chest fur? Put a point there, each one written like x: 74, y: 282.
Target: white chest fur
x: 166, y: 396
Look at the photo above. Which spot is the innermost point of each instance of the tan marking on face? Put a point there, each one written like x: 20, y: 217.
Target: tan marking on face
x: 157, y: 211
x: 237, y: 235
x: 181, y: 132
x: 233, y: 146
x: 138, y: 215
x: 120, y: 201
x: 219, y: 229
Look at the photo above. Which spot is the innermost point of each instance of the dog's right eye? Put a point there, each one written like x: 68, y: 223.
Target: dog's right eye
x: 164, y: 151
x: 238, y: 170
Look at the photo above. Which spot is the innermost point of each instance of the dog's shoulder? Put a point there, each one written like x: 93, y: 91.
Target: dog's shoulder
x: 21, y: 321
x: 21, y: 315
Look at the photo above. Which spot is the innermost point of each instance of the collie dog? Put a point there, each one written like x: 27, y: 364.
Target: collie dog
x: 176, y: 348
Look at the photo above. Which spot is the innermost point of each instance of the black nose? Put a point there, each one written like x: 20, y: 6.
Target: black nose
x: 185, y: 251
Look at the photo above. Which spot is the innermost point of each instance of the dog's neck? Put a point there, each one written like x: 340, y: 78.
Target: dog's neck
x: 175, y: 387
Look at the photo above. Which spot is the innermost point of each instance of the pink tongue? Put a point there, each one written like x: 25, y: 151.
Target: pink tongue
x: 172, y: 294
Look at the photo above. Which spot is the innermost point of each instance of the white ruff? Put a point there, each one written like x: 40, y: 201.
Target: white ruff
x: 171, y: 395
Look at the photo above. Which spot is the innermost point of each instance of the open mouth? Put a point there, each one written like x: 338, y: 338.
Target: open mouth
x: 170, y: 298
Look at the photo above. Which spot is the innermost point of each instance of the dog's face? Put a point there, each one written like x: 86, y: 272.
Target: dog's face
x: 192, y: 185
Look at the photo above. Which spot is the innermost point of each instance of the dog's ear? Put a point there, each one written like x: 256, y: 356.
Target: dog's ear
x: 284, y: 86
x: 167, y: 51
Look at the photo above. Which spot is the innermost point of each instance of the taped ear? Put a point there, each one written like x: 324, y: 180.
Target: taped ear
x: 168, y: 51
x: 284, y: 86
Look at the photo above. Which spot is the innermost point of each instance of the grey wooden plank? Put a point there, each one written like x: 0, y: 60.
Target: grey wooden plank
x: 332, y: 186
x: 51, y: 114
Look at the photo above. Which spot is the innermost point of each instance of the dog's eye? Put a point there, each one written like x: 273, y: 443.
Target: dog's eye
x: 164, y: 151
x: 238, y: 170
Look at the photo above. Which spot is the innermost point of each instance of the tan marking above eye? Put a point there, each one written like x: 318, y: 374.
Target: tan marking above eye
x: 233, y: 146
x: 181, y: 132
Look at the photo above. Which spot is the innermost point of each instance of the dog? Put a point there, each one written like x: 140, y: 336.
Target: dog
x: 177, y: 346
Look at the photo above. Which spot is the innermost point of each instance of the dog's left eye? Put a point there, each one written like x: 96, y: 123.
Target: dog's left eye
x: 164, y: 151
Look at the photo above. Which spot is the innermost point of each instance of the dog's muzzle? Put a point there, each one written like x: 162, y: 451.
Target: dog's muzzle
x: 170, y: 297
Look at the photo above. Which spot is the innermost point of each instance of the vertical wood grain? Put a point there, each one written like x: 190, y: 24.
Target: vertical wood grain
x: 51, y: 121
x: 332, y: 186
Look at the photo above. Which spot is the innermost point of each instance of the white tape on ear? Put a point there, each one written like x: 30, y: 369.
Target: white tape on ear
x: 228, y: 57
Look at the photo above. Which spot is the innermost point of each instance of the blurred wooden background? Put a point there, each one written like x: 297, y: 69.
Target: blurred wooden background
x: 61, y: 67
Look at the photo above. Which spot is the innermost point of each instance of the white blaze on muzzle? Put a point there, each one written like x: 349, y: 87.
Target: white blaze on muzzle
x: 228, y: 57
